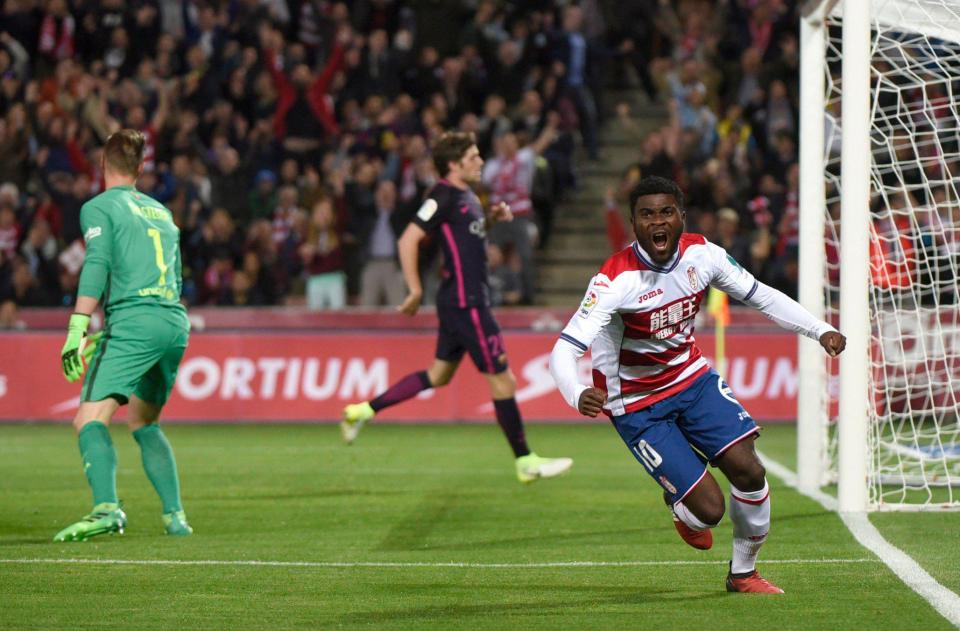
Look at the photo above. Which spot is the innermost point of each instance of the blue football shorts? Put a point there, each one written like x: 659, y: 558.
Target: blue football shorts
x: 675, y: 438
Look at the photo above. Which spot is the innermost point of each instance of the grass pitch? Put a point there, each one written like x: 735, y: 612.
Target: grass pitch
x: 424, y: 526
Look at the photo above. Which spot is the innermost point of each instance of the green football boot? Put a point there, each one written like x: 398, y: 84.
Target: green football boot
x: 355, y: 416
x: 105, y: 518
x: 532, y: 467
x: 176, y: 524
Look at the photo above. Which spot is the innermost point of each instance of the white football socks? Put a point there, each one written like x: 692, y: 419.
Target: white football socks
x: 750, y: 514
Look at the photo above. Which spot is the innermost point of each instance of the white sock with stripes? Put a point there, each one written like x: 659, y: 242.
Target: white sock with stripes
x: 750, y: 514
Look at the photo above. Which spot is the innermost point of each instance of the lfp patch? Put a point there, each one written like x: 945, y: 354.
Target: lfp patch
x: 589, y: 302
x: 427, y: 210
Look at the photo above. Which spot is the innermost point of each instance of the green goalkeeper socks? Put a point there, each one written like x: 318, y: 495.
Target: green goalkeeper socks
x: 99, y: 461
x: 160, y: 465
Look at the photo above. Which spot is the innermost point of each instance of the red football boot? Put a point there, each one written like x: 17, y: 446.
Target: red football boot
x: 750, y: 583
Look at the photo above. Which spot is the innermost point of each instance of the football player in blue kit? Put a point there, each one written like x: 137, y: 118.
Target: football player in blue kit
x: 672, y: 410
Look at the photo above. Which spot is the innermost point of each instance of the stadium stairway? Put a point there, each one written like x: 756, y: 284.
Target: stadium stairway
x: 578, y: 245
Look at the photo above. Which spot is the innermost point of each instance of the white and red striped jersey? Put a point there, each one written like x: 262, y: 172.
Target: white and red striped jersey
x: 638, y: 318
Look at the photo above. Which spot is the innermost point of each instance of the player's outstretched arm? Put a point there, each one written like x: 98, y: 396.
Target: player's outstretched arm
x: 774, y: 304
x: 791, y: 315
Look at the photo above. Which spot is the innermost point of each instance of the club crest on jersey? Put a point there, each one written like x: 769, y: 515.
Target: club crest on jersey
x: 692, y: 277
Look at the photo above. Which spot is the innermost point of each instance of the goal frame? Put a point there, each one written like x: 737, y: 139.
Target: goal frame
x: 815, y: 384
x: 854, y: 322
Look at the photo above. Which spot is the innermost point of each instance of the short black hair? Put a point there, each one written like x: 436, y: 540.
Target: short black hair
x: 451, y: 147
x: 656, y: 185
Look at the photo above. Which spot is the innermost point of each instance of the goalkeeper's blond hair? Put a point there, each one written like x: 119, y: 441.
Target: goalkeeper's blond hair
x: 123, y: 152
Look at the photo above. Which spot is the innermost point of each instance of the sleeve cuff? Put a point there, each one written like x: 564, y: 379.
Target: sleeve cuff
x: 574, y: 341
x: 576, y: 396
x: 817, y: 333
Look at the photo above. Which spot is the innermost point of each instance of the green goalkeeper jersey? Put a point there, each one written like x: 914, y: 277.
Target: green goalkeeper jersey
x: 133, y: 252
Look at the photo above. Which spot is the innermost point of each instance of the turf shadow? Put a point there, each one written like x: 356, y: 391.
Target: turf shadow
x: 305, y: 495
x: 410, y: 532
x: 508, y: 542
x: 20, y: 541
x: 592, y: 596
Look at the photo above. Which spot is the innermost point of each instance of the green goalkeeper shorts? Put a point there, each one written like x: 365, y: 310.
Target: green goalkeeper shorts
x: 139, y: 353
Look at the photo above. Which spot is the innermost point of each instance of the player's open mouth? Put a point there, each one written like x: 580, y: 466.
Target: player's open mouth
x: 660, y: 238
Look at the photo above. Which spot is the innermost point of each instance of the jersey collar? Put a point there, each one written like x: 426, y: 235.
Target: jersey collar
x: 645, y: 259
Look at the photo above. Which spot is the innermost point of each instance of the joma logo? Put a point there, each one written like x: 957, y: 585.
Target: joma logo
x: 651, y: 294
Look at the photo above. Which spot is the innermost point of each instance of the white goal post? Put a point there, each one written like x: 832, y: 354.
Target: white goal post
x: 880, y: 251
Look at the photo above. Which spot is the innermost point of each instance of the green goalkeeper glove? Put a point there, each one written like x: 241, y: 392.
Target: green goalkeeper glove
x: 70, y: 355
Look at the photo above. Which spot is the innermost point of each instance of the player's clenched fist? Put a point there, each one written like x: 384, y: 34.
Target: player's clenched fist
x: 591, y: 401
x: 833, y: 342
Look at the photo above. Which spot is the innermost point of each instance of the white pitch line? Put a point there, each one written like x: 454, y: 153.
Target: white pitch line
x: 398, y: 564
x: 946, y: 602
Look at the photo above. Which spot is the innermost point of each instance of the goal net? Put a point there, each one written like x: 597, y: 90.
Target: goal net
x: 913, y: 435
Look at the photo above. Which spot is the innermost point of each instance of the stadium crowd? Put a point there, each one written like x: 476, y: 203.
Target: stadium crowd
x: 732, y: 88
x: 291, y: 138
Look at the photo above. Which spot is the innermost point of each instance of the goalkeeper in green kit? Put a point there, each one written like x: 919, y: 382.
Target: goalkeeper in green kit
x: 132, y: 265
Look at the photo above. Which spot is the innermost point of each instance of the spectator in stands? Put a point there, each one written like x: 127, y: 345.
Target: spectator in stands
x: 303, y: 117
x: 39, y: 251
x: 506, y: 285
x: 24, y: 289
x: 8, y: 313
x: 728, y: 235
x: 555, y: 173
x: 410, y: 168
x: 228, y: 185
x: 323, y: 259
x: 262, y: 200
x: 575, y: 62
x: 509, y: 176
x: 287, y: 213
x: 240, y: 101
x: 9, y: 230
x: 382, y: 281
